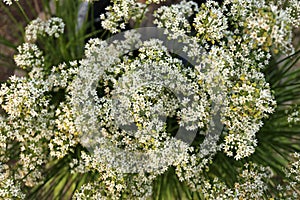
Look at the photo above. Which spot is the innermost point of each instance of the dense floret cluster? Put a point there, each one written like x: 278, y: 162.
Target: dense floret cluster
x: 131, y: 109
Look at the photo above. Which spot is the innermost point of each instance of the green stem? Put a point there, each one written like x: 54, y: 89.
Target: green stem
x: 281, y: 86
x: 288, y: 57
x: 23, y: 12
x: 138, y: 23
x: 12, y: 18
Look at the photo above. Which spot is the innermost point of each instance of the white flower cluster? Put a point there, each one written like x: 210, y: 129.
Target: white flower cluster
x: 8, y: 2
x: 109, y: 183
x: 32, y: 125
x: 142, y: 100
x: 250, y: 183
x: 29, y: 56
x: 294, y: 169
x: 104, y: 73
x: 293, y: 9
x: 154, y: 1
x: 127, y: 109
x: 290, y: 187
x: 119, y: 14
x: 249, y: 102
x: 28, y: 130
x: 176, y: 19
x: 265, y: 25
x: 124, y: 12
x: 239, y: 37
x: 211, y: 22
x: 28, y: 116
x: 293, y: 115
x: 52, y: 27
x: 9, y: 189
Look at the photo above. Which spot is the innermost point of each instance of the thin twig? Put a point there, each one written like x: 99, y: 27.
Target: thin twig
x: 36, y: 6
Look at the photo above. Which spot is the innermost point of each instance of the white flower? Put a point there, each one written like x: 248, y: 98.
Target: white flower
x: 52, y: 27
x: 8, y: 2
x: 29, y: 56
